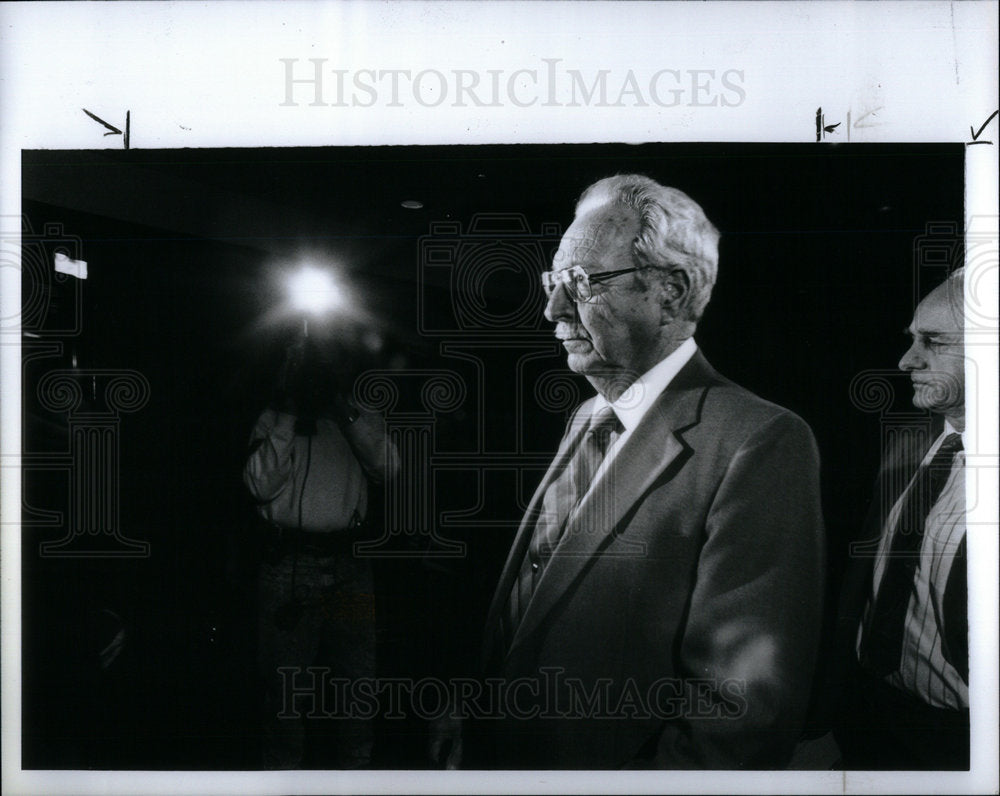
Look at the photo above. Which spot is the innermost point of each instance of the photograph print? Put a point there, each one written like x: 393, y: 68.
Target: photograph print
x: 495, y: 457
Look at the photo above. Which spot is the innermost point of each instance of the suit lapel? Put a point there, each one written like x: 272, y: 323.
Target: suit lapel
x: 519, y: 548
x: 899, y: 465
x: 651, y: 448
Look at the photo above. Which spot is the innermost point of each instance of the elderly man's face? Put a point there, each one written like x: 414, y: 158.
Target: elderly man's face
x: 617, y: 331
x: 935, y: 360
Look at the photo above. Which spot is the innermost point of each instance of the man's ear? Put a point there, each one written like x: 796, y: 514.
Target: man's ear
x: 676, y: 289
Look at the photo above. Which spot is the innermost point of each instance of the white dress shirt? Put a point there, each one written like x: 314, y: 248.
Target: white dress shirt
x: 923, y: 670
x: 632, y: 405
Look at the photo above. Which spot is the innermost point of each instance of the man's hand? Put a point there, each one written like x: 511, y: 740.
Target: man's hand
x: 444, y: 746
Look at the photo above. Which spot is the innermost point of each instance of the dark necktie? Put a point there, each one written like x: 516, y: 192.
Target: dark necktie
x: 883, y: 642
x: 558, y: 504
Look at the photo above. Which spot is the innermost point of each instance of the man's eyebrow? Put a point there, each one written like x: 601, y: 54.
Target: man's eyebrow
x: 930, y: 332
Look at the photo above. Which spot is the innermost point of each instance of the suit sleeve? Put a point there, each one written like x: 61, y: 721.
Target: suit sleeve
x: 749, y: 644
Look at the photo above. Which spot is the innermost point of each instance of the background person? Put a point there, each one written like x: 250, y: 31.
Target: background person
x: 311, y: 455
x: 904, y: 609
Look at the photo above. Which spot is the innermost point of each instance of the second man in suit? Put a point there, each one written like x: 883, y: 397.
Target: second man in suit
x: 903, y: 620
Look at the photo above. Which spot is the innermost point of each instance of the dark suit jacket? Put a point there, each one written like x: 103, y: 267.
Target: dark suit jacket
x: 680, y: 631
x: 903, y: 454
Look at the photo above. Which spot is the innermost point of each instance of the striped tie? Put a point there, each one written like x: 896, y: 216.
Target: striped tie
x: 882, y: 644
x: 561, y: 499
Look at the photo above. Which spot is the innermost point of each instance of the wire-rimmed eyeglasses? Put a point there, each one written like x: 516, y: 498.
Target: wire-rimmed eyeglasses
x: 579, y: 284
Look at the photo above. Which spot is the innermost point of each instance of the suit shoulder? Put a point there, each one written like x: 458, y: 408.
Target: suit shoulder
x: 740, y: 411
x: 737, y: 406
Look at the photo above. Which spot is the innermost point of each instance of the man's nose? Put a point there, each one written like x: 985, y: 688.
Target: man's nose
x: 913, y: 358
x: 559, y: 306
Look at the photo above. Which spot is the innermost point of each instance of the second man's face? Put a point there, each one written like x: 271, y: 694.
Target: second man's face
x: 935, y: 359
x: 616, y: 331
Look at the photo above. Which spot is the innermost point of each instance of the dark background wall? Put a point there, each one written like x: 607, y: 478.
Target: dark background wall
x: 823, y: 257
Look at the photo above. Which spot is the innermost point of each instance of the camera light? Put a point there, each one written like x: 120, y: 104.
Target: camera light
x: 313, y: 291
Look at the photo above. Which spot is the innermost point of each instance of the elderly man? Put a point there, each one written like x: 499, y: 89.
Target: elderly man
x: 908, y: 705
x: 660, y: 606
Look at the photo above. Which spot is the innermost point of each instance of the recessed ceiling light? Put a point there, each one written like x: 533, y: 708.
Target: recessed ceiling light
x: 412, y: 204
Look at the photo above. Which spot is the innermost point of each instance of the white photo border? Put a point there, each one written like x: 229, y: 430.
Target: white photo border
x: 217, y: 75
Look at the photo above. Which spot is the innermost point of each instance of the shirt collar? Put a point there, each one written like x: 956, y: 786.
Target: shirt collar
x: 632, y: 405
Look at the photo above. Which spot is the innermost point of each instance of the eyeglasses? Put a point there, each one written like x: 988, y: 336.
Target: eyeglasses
x: 579, y: 284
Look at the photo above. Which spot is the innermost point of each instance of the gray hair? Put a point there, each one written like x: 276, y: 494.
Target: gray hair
x: 673, y: 231
x: 955, y: 287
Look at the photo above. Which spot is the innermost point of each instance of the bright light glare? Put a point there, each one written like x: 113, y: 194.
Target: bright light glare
x: 313, y: 291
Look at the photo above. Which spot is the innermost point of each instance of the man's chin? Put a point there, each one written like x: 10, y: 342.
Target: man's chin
x: 581, y: 361
x: 575, y: 363
x: 930, y: 399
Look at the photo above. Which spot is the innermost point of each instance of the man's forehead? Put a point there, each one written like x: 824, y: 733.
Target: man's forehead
x: 939, y: 313
x: 592, y: 234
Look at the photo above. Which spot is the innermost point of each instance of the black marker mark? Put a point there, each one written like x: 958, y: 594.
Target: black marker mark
x: 112, y: 129
x: 976, y: 133
x: 821, y: 127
